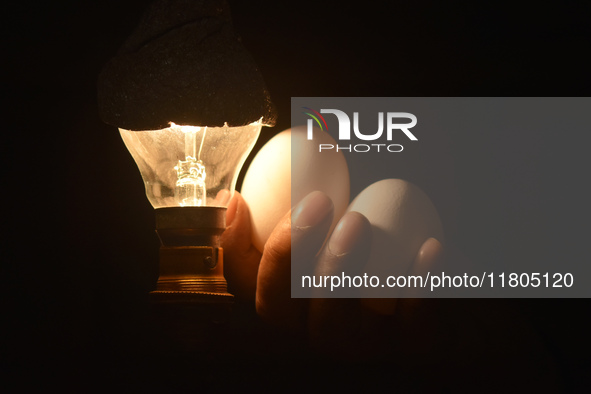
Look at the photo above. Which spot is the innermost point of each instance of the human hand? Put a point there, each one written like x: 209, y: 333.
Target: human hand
x: 265, y: 277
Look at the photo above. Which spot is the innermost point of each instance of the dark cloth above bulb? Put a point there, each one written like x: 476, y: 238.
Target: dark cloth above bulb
x: 183, y: 64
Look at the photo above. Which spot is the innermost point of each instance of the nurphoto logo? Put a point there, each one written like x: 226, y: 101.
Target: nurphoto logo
x: 344, y: 133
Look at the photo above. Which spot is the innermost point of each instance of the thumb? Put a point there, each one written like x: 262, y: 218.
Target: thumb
x: 312, y: 218
x: 241, y: 258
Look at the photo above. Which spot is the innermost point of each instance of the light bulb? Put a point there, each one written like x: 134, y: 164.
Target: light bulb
x: 191, y: 166
x: 190, y: 173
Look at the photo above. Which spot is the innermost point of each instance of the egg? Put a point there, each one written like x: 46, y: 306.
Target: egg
x: 274, y: 182
x: 402, y: 217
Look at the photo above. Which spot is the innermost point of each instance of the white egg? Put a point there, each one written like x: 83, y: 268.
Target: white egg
x: 274, y: 182
x: 402, y: 218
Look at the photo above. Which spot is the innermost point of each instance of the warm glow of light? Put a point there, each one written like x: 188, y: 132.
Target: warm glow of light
x: 188, y: 165
x: 191, y: 173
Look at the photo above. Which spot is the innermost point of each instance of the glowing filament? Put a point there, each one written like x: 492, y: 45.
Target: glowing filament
x: 190, y: 185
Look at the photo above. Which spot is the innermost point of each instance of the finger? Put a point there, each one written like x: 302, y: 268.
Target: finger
x: 427, y: 261
x: 344, y: 255
x: 334, y: 321
x: 402, y: 324
x: 311, y: 220
x: 222, y: 197
x: 241, y: 258
x: 428, y: 258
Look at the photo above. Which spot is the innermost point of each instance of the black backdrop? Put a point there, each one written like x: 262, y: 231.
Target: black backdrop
x: 80, y: 252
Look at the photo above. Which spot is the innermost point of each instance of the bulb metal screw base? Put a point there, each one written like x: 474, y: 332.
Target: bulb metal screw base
x: 191, y: 259
x: 191, y: 274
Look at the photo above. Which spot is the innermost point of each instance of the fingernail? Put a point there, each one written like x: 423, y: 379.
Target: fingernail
x: 429, y: 252
x: 351, y: 230
x: 231, y: 211
x: 312, y: 210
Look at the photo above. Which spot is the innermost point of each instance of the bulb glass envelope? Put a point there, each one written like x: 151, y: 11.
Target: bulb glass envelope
x: 191, y: 165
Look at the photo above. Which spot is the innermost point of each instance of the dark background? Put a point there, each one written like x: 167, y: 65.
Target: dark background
x: 81, y: 252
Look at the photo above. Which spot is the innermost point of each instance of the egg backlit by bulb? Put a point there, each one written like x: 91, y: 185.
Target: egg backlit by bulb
x: 284, y: 171
x: 402, y: 218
